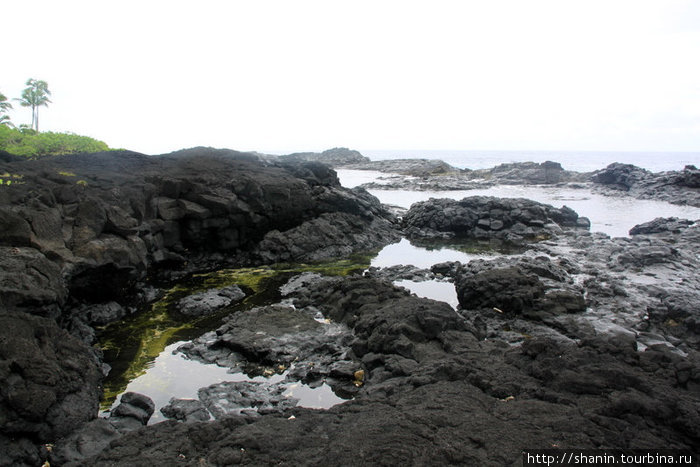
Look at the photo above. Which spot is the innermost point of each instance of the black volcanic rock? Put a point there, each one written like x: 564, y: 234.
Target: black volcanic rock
x: 537, y: 288
x: 434, y: 393
x: 209, y: 301
x: 50, y: 384
x: 690, y: 177
x: 425, y: 168
x: 661, y: 225
x: 514, y: 220
x: 525, y: 173
x: 95, y: 224
x: 620, y: 176
x: 677, y: 187
x: 333, y: 157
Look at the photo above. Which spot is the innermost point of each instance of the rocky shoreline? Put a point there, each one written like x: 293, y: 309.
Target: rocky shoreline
x: 676, y: 187
x: 575, y: 340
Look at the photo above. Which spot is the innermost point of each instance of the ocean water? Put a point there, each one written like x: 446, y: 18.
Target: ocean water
x: 613, y: 215
x: 579, y: 161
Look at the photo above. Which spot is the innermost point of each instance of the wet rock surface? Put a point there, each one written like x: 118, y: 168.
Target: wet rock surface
x: 207, y: 302
x: 186, y: 410
x: 277, y: 338
x: 232, y: 398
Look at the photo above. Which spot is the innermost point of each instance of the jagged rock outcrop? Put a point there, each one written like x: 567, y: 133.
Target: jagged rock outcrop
x: 333, y: 157
x: 535, y: 287
x: 92, y: 225
x: 513, y: 220
x: 672, y: 225
x: 424, y: 168
x: 526, y: 173
x: 677, y: 187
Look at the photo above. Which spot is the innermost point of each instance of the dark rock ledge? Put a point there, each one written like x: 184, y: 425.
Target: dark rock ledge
x: 89, y: 227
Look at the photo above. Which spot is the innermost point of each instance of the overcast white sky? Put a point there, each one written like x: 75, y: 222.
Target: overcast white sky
x: 155, y: 76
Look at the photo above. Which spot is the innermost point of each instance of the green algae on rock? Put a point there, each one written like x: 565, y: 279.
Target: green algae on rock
x: 132, y: 344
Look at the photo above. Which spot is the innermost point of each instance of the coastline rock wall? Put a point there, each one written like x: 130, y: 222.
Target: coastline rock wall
x: 91, y: 225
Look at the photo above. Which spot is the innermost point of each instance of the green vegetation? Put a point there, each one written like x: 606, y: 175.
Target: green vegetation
x: 35, y: 95
x: 31, y: 144
x: 4, y: 107
x: 27, y: 141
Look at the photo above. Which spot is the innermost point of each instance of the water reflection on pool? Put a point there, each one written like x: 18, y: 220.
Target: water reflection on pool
x: 404, y: 252
x: 174, y: 375
x: 436, y: 290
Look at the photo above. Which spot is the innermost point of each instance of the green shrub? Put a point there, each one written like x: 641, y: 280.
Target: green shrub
x: 31, y: 144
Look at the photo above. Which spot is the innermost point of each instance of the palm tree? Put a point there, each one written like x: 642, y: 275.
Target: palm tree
x: 4, y: 107
x: 35, y: 95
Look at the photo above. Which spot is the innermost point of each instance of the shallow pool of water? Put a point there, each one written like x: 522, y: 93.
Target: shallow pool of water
x: 404, y: 252
x: 171, y: 374
x: 435, y: 290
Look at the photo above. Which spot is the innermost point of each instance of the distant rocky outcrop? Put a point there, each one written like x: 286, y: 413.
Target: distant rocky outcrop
x: 436, y: 175
x: 333, y: 157
x: 677, y: 187
x: 526, y: 173
x: 411, y: 167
